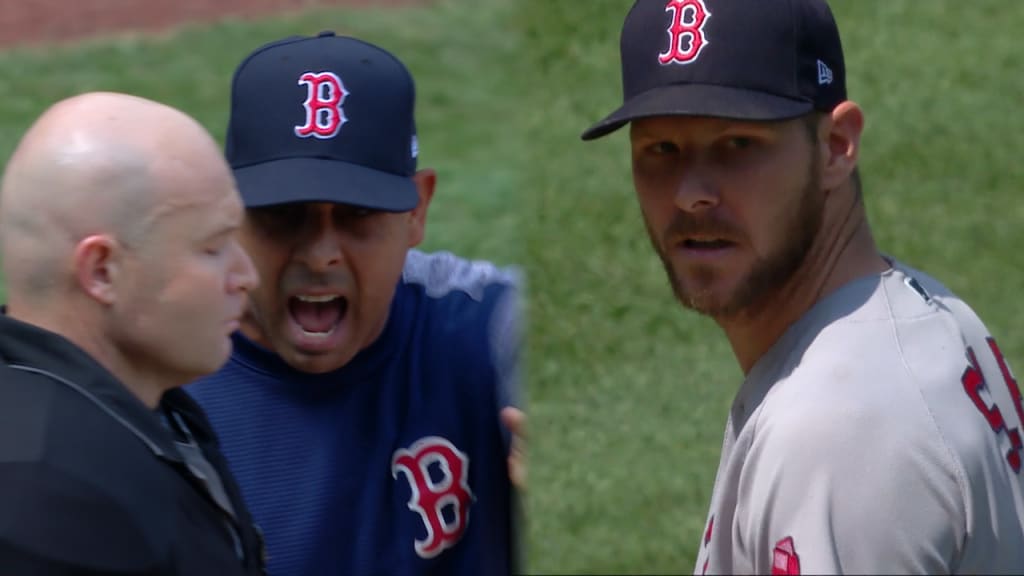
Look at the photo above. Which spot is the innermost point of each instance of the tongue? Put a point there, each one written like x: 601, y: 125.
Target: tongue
x: 316, y: 316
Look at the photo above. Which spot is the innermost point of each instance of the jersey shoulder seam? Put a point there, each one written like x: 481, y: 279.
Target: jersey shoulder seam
x: 443, y: 273
x: 955, y: 465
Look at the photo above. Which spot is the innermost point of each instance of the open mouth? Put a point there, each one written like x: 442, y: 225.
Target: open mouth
x: 317, y: 316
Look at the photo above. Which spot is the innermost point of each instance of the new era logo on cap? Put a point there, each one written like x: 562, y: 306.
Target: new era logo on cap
x: 824, y: 73
x: 323, y: 119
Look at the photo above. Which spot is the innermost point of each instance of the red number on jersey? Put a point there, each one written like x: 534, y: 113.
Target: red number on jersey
x: 974, y: 382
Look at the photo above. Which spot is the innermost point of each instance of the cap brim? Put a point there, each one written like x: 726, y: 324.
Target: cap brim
x: 321, y: 180
x: 700, y: 100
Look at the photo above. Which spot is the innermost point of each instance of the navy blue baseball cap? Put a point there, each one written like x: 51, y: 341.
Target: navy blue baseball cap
x: 325, y: 118
x: 737, y: 59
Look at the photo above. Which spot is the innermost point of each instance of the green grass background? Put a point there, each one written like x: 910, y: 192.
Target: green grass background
x: 627, y: 393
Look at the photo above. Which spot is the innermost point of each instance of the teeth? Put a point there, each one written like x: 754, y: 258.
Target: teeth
x: 320, y: 335
x: 325, y: 298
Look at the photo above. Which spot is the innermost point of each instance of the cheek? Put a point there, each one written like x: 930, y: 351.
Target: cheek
x: 376, y: 262
x: 656, y: 204
x: 192, y: 290
x: 766, y: 212
x: 165, y: 302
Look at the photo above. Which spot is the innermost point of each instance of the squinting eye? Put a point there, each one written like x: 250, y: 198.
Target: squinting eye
x: 353, y: 218
x: 739, y: 143
x: 353, y: 212
x: 663, y: 148
x: 284, y: 219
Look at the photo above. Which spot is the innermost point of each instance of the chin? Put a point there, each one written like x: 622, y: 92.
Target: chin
x: 710, y: 306
x: 215, y: 364
x: 316, y: 363
x: 717, y: 299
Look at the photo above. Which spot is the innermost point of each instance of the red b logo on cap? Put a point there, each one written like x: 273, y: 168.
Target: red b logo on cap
x: 324, y: 95
x: 688, y: 18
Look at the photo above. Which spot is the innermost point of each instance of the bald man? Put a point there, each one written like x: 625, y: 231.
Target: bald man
x: 124, y: 282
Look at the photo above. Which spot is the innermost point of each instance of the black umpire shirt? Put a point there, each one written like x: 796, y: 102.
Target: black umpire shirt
x: 93, y: 482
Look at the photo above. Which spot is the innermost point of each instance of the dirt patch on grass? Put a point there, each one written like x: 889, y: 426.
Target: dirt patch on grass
x: 46, y: 21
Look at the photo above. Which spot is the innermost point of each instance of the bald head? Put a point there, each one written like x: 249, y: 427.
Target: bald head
x: 98, y: 163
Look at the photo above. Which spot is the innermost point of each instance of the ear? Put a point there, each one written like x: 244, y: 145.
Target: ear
x: 425, y: 180
x: 841, y: 135
x: 97, y: 267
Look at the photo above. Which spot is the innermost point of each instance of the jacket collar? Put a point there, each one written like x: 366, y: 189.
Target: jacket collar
x: 28, y: 348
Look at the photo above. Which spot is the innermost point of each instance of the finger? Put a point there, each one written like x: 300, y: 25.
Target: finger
x: 517, y: 468
x: 514, y: 419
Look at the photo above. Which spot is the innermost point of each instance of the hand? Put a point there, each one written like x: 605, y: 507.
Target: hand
x: 514, y: 419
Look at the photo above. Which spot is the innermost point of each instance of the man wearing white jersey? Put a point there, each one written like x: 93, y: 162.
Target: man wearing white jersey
x: 878, y: 426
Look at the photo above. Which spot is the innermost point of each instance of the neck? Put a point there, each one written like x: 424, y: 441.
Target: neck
x: 82, y: 329
x: 836, y: 259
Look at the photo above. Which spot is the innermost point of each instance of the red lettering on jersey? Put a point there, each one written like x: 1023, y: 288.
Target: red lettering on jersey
x: 974, y: 381
x: 784, y: 558
x: 707, y: 540
x: 430, y: 498
x: 324, y: 95
x: 1011, y: 383
x: 688, y: 18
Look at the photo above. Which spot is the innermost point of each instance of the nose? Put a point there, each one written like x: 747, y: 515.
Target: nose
x: 696, y: 191
x: 243, y: 277
x: 321, y: 249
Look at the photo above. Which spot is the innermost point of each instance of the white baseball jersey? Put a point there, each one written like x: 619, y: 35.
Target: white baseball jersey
x: 880, y: 434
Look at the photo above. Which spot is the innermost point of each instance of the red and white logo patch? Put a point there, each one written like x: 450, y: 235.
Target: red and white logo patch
x: 686, y: 37
x: 324, y: 95
x: 443, y: 504
x: 784, y: 558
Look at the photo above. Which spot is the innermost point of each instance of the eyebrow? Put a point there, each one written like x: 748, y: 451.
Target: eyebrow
x: 223, y: 230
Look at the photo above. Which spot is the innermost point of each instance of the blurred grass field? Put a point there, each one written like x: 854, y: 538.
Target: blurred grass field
x: 627, y: 393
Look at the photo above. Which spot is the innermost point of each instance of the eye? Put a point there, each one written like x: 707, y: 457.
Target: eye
x: 282, y: 219
x: 663, y: 148
x: 350, y: 213
x: 739, y: 142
